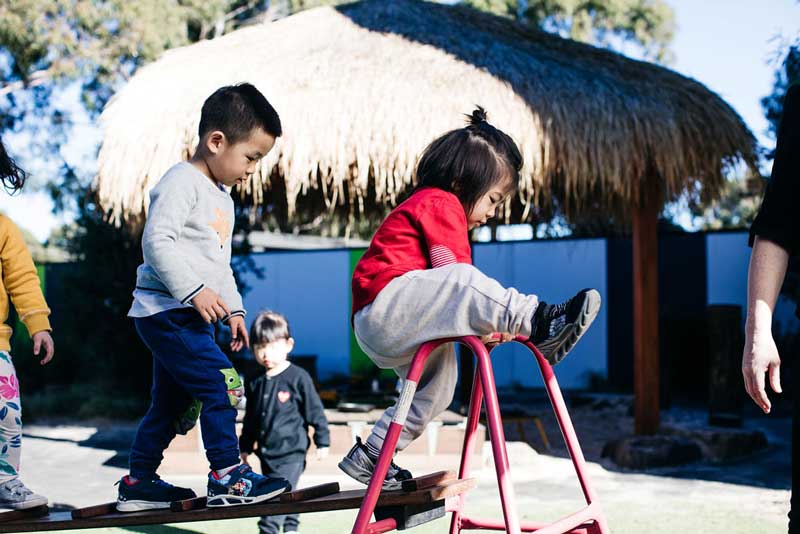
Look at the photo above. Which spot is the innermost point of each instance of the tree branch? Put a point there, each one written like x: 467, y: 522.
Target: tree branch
x: 36, y: 78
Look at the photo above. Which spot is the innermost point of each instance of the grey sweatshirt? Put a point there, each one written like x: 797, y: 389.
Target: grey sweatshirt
x: 186, y: 244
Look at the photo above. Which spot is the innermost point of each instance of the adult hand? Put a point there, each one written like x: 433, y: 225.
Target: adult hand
x: 43, y: 340
x: 210, y: 305
x: 239, y: 336
x: 760, y: 357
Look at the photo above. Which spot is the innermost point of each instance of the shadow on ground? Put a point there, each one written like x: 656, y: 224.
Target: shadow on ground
x: 597, y: 425
x: 158, y: 529
x: 117, y: 438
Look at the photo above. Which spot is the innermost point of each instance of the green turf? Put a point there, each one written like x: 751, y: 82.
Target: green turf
x: 666, y: 517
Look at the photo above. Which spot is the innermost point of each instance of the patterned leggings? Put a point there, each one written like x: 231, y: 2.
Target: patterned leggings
x: 10, y: 419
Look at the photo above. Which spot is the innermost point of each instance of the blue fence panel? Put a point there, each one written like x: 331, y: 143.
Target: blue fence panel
x: 312, y: 289
x: 554, y: 270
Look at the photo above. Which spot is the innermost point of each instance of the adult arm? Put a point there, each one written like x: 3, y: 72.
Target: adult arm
x: 768, y: 263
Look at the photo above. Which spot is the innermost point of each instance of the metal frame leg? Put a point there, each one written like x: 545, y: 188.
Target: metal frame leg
x: 362, y: 524
x: 589, y: 520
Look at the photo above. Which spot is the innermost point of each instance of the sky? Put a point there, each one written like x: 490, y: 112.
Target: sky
x: 729, y: 46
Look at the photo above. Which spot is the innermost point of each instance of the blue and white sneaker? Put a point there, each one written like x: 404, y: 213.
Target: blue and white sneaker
x: 149, y: 494
x: 243, y: 486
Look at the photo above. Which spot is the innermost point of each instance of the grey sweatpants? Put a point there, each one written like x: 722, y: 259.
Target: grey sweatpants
x: 420, y: 306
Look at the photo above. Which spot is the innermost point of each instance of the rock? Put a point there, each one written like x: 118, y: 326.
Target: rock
x: 644, y: 452
x: 721, y: 444
x: 602, y: 402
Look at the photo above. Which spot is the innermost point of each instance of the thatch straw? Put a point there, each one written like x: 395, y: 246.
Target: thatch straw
x: 363, y: 88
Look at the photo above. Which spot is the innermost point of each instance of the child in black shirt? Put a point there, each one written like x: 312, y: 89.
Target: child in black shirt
x: 281, y: 404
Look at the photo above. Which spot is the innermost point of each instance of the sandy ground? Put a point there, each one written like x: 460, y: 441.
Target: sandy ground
x: 740, y: 497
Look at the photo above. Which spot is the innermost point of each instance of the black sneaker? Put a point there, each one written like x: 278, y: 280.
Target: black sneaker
x: 359, y: 465
x: 149, y: 494
x: 557, y: 327
x: 243, y: 486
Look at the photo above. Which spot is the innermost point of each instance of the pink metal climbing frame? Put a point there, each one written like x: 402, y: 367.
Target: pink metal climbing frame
x: 588, y: 520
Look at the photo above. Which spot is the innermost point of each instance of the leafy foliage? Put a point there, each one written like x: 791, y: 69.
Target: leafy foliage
x: 787, y: 74
x: 649, y: 24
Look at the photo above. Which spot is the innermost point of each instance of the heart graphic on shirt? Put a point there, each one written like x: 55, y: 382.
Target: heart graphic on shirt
x: 284, y: 396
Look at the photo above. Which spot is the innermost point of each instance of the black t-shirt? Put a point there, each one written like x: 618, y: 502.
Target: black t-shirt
x: 778, y: 218
x: 279, y: 411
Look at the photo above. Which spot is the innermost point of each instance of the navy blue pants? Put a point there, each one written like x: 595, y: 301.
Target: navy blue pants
x: 291, y: 471
x: 187, y: 364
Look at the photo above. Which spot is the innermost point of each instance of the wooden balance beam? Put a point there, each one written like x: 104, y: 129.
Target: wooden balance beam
x: 423, y: 493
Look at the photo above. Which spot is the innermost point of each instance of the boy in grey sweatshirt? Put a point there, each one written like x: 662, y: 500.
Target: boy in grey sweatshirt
x: 184, y: 285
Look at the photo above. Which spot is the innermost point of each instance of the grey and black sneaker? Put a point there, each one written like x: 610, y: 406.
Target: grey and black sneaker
x: 14, y: 494
x: 359, y: 464
x: 242, y: 485
x: 148, y: 494
x: 557, y: 327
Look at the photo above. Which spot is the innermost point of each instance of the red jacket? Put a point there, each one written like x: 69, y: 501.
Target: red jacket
x: 428, y: 230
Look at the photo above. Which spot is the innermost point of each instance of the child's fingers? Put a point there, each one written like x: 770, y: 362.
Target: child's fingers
x: 236, y: 342
x: 245, y: 336
x: 49, y: 351
x: 221, y: 304
x: 219, y: 311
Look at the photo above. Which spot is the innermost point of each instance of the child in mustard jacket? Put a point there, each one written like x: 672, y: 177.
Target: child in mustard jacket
x: 18, y: 280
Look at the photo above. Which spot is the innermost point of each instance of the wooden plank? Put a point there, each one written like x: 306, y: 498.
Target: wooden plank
x: 92, y: 511
x: 312, y: 492
x: 428, y: 481
x: 188, y: 504
x: 339, y: 501
x: 14, y: 515
x: 452, y: 488
x: 645, y: 309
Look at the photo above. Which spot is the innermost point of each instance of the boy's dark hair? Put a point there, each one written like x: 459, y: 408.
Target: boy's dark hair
x: 237, y: 110
x: 269, y: 326
x: 12, y: 176
x: 469, y: 161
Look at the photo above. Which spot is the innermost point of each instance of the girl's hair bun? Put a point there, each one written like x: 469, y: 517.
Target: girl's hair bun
x: 478, y: 116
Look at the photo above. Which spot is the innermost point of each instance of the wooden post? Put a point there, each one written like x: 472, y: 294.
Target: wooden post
x: 645, y: 311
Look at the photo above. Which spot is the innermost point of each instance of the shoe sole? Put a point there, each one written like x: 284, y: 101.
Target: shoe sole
x: 218, y: 501
x: 353, y: 471
x: 138, y: 506
x: 24, y: 505
x: 557, y: 348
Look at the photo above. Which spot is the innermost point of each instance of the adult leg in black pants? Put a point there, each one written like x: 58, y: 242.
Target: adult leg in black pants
x: 794, y: 507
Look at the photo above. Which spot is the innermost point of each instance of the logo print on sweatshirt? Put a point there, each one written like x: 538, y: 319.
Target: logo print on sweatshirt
x: 221, y: 226
x: 284, y: 396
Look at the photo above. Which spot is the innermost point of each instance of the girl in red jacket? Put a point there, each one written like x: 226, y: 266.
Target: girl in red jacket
x: 416, y: 283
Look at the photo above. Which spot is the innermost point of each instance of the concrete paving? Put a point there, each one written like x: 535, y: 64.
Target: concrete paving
x: 75, y: 468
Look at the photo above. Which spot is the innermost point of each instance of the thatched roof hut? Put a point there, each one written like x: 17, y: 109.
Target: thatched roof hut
x: 363, y: 88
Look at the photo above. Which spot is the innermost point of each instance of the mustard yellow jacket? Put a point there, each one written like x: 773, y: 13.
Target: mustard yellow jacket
x: 19, y: 281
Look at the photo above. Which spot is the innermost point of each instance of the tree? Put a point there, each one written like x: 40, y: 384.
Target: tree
x: 648, y: 24
x: 788, y: 72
